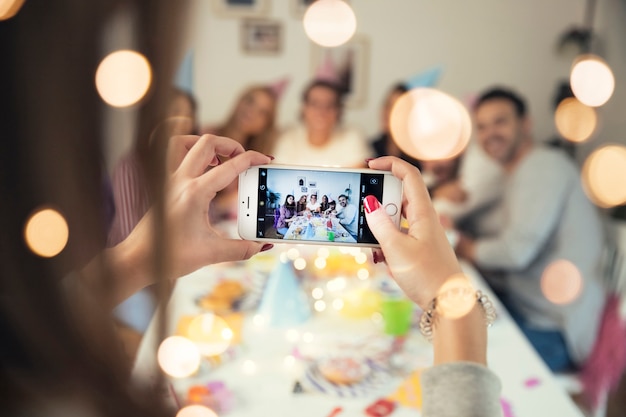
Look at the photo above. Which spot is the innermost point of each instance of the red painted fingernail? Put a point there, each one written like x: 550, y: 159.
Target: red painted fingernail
x: 270, y: 157
x: 371, y: 203
x: 375, y: 257
x: 267, y: 246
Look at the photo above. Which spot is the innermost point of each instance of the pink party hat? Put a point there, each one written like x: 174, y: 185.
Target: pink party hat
x: 327, y: 71
x: 279, y: 86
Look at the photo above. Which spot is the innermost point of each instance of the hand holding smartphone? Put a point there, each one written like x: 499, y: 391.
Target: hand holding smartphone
x: 296, y: 204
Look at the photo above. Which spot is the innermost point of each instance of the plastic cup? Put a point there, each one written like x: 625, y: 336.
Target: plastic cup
x: 331, y: 236
x: 397, y: 313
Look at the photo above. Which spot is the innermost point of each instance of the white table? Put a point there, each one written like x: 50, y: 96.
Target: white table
x: 265, y: 387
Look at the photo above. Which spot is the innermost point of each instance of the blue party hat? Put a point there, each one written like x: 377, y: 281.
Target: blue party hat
x: 427, y: 78
x: 284, y: 303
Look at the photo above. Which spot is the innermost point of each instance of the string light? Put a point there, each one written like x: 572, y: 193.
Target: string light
x: 317, y: 293
x: 428, y: 124
x: 561, y: 282
x: 329, y: 23
x: 319, y: 305
x: 178, y: 356
x: 46, y: 232
x: 363, y: 273
x: 196, y: 410
x: 123, y: 78
x: 211, y: 334
x: 604, y: 176
x: 320, y: 263
x: 9, y: 8
x: 592, y: 80
x: 293, y: 254
x: 575, y: 121
x: 299, y: 264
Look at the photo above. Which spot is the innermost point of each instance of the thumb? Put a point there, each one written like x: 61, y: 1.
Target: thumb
x: 240, y: 250
x: 379, y: 222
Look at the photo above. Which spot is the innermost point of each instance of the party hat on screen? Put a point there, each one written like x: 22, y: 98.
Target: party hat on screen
x: 284, y: 303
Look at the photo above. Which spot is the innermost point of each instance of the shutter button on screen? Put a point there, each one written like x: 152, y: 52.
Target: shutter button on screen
x: 391, y: 209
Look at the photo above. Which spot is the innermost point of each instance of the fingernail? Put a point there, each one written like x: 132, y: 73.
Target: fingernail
x: 267, y: 246
x: 375, y: 257
x: 371, y: 203
x: 270, y: 157
x: 367, y: 160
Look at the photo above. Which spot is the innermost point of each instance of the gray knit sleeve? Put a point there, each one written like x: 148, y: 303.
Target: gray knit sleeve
x: 460, y: 389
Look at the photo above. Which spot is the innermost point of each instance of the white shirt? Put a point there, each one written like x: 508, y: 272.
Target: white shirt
x: 346, y: 148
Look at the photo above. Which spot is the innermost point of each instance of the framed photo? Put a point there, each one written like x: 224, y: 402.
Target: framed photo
x: 298, y: 7
x: 350, y: 64
x: 312, y: 184
x: 302, y: 181
x: 263, y: 37
x: 240, y: 8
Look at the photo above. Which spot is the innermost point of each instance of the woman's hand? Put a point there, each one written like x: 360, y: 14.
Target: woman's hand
x: 422, y: 259
x: 196, y: 177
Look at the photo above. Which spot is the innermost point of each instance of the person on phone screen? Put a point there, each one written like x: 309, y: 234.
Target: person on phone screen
x: 348, y: 215
x: 287, y: 214
x: 313, y: 205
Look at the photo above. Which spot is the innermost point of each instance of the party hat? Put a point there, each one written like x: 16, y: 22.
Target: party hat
x: 327, y: 71
x: 279, y: 86
x: 284, y: 302
x: 427, y: 78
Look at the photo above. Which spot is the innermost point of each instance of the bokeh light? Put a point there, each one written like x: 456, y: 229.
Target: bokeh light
x: 178, y: 356
x: 46, y: 232
x: 308, y: 337
x: 323, y: 252
x: 604, y: 176
x: 196, y: 410
x: 123, y: 78
x: 336, y: 284
x: 592, y: 80
x: 320, y: 263
x: 360, y: 258
x: 428, y: 124
x: 248, y: 367
x: 319, y: 305
x: 292, y: 335
x: 299, y: 264
x: 456, y: 297
x: 329, y: 22
x: 210, y: 333
x: 338, y: 303
x: 561, y: 282
x: 9, y: 8
x: 363, y: 273
x: 317, y: 293
x: 293, y: 254
x: 575, y: 121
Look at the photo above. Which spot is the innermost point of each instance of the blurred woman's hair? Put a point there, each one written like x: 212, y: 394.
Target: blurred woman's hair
x: 59, y: 351
x: 264, y: 140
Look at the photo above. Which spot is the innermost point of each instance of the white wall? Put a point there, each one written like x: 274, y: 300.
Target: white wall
x: 478, y: 42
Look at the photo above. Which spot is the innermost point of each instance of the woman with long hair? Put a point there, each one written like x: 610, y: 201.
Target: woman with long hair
x: 287, y: 214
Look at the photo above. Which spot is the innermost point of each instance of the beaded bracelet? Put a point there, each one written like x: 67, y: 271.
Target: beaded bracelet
x: 426, y: 320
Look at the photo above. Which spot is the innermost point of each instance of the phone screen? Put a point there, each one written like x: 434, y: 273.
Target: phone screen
x: 323, y: 206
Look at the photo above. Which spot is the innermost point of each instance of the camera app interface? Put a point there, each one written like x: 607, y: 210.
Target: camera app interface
x: 321, y: 206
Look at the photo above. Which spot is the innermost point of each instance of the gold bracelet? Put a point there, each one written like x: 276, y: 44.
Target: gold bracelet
x: 428, y: 316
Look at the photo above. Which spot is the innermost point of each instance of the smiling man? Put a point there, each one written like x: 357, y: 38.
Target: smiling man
x: 546, y: 217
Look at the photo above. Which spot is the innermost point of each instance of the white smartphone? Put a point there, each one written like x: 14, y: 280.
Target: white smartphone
x: 319, y: 205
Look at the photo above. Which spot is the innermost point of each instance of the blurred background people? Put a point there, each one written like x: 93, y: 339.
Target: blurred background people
x: 546, y: 218
x: 320, y: 139
x: 383, y: 143
x: 252, y: 120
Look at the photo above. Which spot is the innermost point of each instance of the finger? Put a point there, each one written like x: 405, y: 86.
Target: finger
x: 224, y: 174
x: 379, y: 222
x: 204, y: 151
x: 238, y: 250
x: 414, y: 189
x: 177, y: 148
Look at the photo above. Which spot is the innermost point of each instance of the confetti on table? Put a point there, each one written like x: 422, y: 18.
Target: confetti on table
x: 507, y: 408
x: 532, y: 382
x: 409, y: 394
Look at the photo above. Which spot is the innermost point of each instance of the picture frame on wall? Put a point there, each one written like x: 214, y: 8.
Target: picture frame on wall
x: 349, y: 65
x: 298, y: 7
x: 261, y: 37
x: 240, y: 8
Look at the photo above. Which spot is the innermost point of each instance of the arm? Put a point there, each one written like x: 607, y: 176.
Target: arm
x: 191, y: 240
x: 421, y: 261
x: 535, y: 202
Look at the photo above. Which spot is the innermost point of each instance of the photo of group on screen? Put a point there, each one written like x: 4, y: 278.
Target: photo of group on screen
x: 311, y: 205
